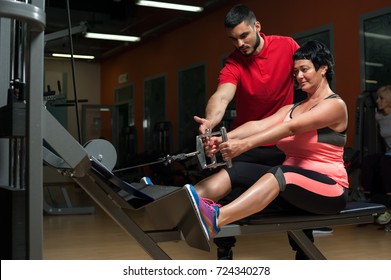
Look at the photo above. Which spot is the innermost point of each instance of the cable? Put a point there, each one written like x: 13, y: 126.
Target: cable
x: 73, y: 72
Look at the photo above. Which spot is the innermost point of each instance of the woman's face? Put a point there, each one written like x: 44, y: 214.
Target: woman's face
x: 382, y: 101
x: 307, y: 77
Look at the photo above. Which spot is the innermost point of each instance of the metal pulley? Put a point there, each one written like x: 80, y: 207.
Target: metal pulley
x: 103, y: 151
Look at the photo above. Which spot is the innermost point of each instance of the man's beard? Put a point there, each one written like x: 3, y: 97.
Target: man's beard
x: 256, y: 45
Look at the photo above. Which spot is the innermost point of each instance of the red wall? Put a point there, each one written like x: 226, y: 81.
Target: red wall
x: 204, y: 41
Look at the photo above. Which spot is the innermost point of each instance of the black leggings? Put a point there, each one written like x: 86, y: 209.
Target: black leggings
x: 313, y: 192
x: 267, y: 155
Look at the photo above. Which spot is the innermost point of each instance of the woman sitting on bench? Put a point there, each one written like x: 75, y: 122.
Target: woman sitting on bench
x: 312, y: 133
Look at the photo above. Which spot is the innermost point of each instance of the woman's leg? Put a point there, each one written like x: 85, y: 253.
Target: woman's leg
x: 215, y: 186
x: 241, y: 175
x: 253, y: 200
x: 307, y: 190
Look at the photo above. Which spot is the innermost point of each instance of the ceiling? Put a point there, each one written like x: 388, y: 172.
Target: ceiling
x: 122, y: 17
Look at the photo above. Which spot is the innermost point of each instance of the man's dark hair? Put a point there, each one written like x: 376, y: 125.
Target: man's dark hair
x: 318, y: 54
x: 238, y: 14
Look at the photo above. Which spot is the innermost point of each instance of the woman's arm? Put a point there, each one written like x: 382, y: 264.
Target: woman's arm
x: 253, y: 127
x: 329, y: 113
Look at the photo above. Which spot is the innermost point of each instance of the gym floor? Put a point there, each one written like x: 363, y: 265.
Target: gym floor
x: 97, y: 237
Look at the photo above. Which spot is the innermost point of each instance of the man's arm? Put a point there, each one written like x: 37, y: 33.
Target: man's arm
x: 217, y: 104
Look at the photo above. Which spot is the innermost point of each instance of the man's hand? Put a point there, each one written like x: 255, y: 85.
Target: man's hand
x: 204, y: 124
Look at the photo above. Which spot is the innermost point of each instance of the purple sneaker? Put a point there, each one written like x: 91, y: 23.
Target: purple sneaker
x: 207, y: 210
x: 210, y: 210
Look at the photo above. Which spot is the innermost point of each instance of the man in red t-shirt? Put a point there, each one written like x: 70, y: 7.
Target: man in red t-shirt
x: 258, y: 74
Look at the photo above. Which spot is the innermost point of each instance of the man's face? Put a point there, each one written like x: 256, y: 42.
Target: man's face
x: 245, y: 37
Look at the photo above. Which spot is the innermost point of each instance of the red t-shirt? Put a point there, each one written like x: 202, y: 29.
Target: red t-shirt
x: 264, y: 82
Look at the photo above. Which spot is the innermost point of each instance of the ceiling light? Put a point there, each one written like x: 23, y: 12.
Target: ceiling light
x: 374, y: 64
x: 371, y: 82
x: 65, y: 55
x: 111, y: 37
x: 172, y: 6
x: 377, y: 36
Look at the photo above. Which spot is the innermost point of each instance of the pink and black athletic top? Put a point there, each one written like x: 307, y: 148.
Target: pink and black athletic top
x: 318, y: 150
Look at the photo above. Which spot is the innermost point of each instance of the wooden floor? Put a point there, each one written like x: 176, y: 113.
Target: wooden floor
x: 98, y: 237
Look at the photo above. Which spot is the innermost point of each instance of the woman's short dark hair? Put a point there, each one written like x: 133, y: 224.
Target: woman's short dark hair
x: 318, y: 54
x: 238, y: 14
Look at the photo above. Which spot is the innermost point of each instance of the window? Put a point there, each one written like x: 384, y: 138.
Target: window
x: 375, y: 50
x: 154, y: 112
x: 192, y: 95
